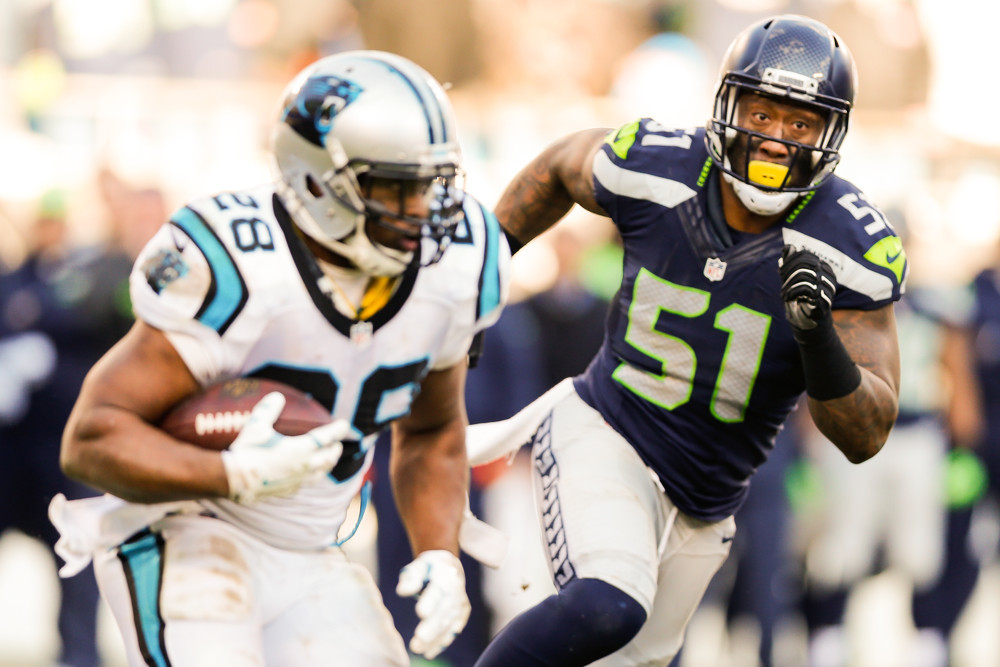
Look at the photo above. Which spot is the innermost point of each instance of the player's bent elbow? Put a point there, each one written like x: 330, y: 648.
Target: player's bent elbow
x: 70, y: 460
x: 73, y: 453
x: 860, y: 455
x: 72, y: 466
x: 867, y: 445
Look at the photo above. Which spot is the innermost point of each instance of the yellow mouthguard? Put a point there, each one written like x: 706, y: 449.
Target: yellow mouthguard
x: 767, y: 173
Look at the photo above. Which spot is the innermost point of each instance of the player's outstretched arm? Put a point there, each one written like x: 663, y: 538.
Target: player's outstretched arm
x: 546, y: 189
x: 850, y: 357
x: 430, y: 480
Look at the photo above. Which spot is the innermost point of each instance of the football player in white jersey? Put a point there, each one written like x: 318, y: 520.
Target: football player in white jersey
x: 360, y: 276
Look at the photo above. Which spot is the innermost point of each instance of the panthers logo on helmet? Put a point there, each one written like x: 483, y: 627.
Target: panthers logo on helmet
x: 311, y: 111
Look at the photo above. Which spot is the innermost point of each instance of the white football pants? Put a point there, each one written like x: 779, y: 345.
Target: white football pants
x: 604, y: 516
x: 196, y: 591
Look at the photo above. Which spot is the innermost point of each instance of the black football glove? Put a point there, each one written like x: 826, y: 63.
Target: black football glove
x: 807, y: 287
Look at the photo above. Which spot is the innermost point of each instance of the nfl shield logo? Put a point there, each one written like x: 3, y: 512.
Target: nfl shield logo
x: 715, y: 268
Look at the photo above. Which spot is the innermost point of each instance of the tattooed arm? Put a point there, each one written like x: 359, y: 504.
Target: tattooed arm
x: 859, y: 423
x: 546, y: 189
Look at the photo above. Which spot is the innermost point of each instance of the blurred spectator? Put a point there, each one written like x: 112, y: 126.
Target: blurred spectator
x: 60, y: 309
x: 57, y: 315
x: 757, y: 589
x: 972, y: 474
x: 764, y: 589
x: 566, y: 320
x: 890, y: 513
x: 985, y: 335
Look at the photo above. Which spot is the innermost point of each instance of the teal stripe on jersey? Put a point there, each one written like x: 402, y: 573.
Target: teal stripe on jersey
x: 143, y: 562
x: 227, y: 293
x: 489, y: 290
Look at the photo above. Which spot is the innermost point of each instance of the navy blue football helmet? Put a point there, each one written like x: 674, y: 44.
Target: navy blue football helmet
x: 795, y: 59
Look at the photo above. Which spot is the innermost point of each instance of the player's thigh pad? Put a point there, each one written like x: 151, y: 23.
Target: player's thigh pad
x: 281, y: 607
x: 602, y: 516
x: 334, y: 616
x: 693, y: 553
x: 208, y: 570
x: 182, y: 594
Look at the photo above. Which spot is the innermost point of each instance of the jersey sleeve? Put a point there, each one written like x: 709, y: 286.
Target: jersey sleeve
x: 637, y: 171
x: 175, y: 288
x: 483, y: 260
x: 858, y: 243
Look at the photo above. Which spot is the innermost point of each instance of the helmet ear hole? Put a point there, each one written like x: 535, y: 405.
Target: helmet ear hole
x: 313, y: 187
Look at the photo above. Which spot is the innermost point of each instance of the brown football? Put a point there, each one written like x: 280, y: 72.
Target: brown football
x: 213, y: 417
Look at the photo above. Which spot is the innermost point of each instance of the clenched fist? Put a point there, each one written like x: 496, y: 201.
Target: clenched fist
x: 807, y: 287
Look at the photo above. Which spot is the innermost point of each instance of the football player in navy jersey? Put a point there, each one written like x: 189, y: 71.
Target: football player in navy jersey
x: 751, y: 274
x: 361, y: 276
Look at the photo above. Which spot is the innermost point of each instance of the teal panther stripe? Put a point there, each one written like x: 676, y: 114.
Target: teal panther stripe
x: 489, y: 289
x: 228, y: 292
x: 142, y: 560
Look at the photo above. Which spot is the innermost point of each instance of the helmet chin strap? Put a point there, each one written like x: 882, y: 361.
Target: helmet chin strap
x: 370, y: 258
x: 373, y: 259
x: 758, y: 201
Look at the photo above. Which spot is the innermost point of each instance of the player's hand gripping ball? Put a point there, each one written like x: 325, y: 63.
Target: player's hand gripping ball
x: 213, y: 417
x: 262, y: 461
x: 807, y: 287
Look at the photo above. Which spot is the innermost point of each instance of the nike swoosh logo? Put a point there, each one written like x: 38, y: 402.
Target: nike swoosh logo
x: 728, y: 539
x: 889, y: 259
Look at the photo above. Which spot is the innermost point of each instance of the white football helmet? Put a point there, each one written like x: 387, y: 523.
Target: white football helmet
x: 362, y: 115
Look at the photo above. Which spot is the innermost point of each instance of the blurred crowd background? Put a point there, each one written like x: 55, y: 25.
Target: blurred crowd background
x: 114, y: 112
x: 178, y: 95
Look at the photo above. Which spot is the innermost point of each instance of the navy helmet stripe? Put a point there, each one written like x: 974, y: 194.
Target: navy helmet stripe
x: 142, y: 561
x: 228, y: 292
x: 437, y: 130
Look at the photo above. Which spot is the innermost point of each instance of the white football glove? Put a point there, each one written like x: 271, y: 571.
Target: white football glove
x: 263, y: 463
x: 437, y: 579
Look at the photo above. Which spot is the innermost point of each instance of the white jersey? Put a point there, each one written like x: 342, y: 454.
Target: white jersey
x: 237, y: 294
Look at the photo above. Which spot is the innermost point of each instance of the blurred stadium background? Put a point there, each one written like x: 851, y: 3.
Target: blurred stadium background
x: 177, y: 95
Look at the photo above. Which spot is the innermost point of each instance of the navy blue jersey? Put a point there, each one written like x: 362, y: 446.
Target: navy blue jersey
x: 699, y: 368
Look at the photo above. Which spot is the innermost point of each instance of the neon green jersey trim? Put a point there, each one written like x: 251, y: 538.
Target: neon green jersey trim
x: 888, y: 253
x: 622, y: 139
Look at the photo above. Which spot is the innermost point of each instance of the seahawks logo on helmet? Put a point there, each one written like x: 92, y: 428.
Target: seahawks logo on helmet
x: 310, y: 111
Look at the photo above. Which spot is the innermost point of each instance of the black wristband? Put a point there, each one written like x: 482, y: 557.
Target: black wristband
x: 514, y: 244
x: 830, y: 372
